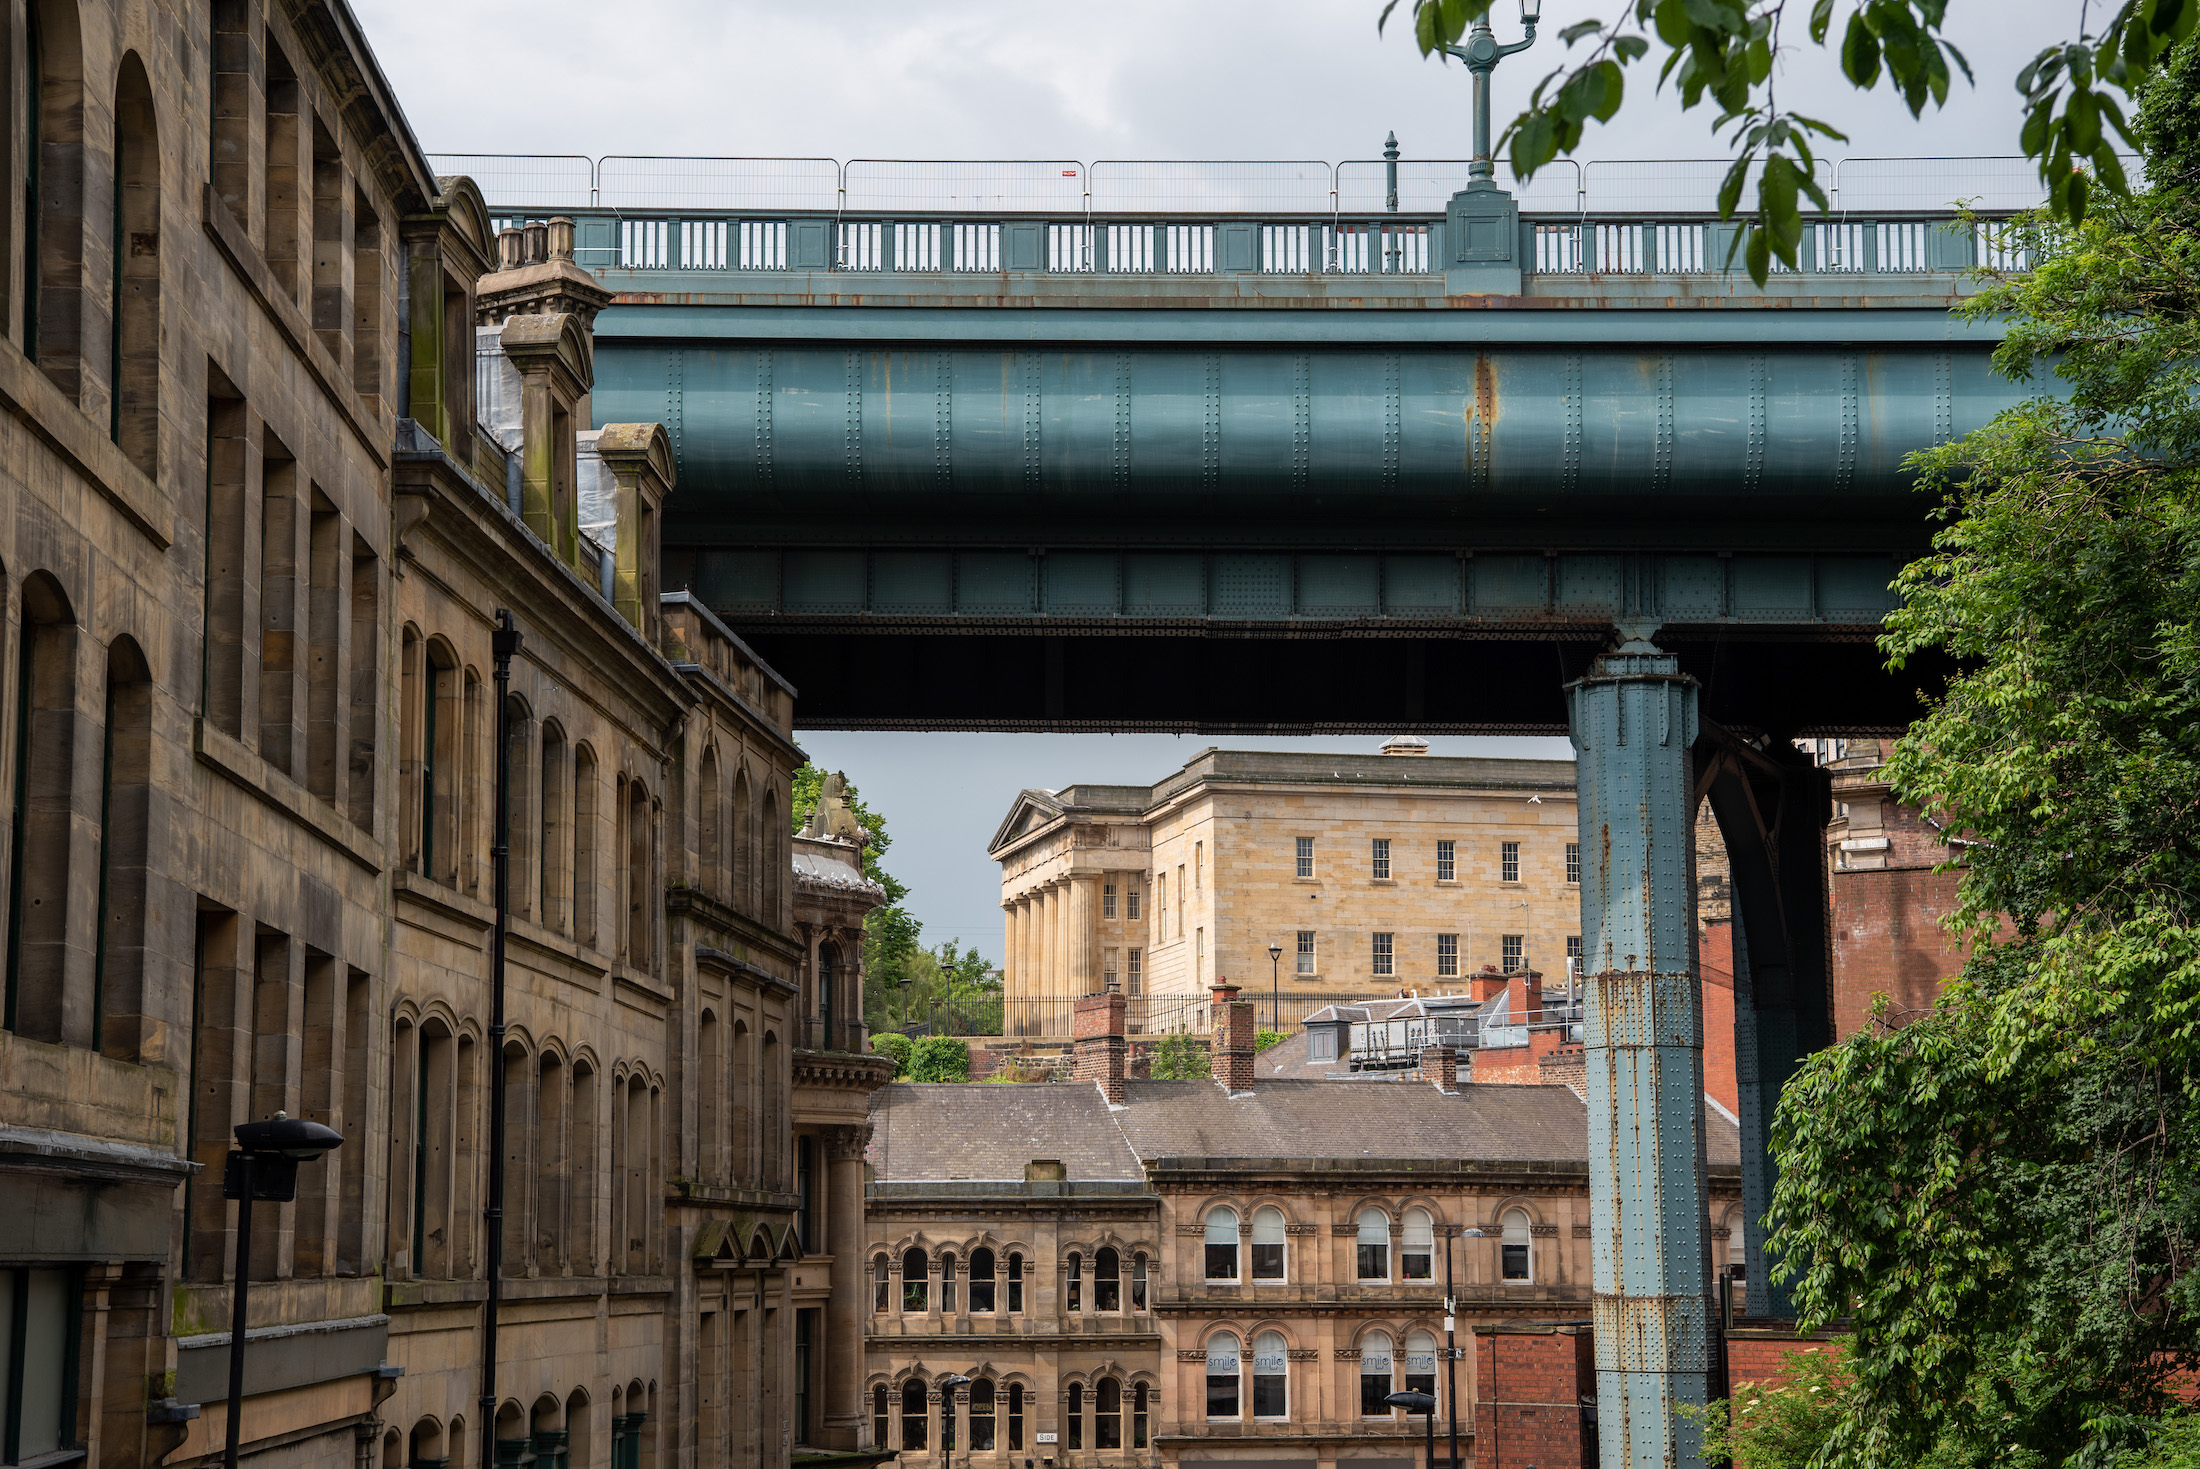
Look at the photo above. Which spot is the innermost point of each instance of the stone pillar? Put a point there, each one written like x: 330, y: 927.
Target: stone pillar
x: 1633, y: 720
x: 843, y: 1406
x: 1048, y: 985
x: 1084, y: 913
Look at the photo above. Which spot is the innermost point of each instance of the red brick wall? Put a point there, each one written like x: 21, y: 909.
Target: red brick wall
x: 1516, y: 1065
x: 1715, y: 960
x: 1887, y: 940
x: 1528, y: 1388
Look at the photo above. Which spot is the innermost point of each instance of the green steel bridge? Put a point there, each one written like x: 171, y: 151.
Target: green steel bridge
x: 1225, y: 447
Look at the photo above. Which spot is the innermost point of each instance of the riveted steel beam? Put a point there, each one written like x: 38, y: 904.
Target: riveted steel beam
x: 1634, y: 722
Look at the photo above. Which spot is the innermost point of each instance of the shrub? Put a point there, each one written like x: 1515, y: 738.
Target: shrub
x: 896, y: 1045
x: 1262, y: 1040
x: 1178, y: 1057
x: 939, y: 1058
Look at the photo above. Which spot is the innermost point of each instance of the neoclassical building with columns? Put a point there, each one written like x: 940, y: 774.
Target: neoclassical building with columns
x: 1229, y: 1271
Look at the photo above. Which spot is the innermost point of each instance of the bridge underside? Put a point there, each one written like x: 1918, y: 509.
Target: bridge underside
x: 1248, y: 682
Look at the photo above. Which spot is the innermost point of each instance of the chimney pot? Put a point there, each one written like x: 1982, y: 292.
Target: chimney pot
x: 561, y: 237
x: 538, y: 242
x: 511, y: 247
x: 1233, y: 1032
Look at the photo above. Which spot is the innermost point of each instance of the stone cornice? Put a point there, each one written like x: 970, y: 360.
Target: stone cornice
x: 842, y: 1069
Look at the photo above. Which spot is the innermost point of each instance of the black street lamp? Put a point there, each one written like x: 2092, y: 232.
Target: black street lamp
x: 263, y: 1165
x: 1425, y: 1405
x: 1275, y: 987
x: 1451, y: 1339
x: 949, y: 1386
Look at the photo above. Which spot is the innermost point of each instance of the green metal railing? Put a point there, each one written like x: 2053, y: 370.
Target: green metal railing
x: 1165, y: 218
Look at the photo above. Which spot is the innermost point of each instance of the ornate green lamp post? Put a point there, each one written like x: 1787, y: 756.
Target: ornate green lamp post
x: 1483, y: 251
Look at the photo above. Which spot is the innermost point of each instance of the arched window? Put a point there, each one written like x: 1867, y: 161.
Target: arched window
x: 1015, y: 1284
x: 1076, y: 1282
x: 1222, y: 1245
x: 881, y: 1424
x: 1222, y: 1376
x: 53, y: 248
x: 768, y: 853
x: 947, y: 1282
x: 1107, y: 1414
x: 744, y: 845
x: 1421, y: 1362
x: 1519, y: 1263
x: 879, y: 1297
x: 915, y: 1269
x: 1417, y: 1248
x: 133, y: 374
x: 38, y: 872
x: 828, y: 979
x: 1138, y: 1416
x: 981, y: 1284
x: 1073, y: 1418
x: 1375, y: 1374
x: 584, y: 848
x: 913, y: 1415
x: 641, y: 919
x: 709, y: 1146
x: 1107, y: 1280
x: 1015, y: 1415
x: 1374, y: 1249
x: 557, y: 837
x: 118, y: 962
x: 981, y: 1416
x: 1268, y: 1239
x: 709, y: 843
x: 1271, y: 1376
x: 1138, y: 1283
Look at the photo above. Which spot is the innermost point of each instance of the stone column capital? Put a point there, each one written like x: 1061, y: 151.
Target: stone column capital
x: 846, y: 1144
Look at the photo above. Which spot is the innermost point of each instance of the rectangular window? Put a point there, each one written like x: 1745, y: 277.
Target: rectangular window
x: 1131, y: 899
x: 1073, y: 1420
x: 1076, y: 1282
x: 38, y: 1311
x: 1180, y: 891
x: 1161, y: 905
x: 1199, y: 866
x: 1508, y: 862
x: 1382, y: 954
x: 1138, y: 1284
x: 1107, y: 970
x: 1306, y: 951
x: 881, y: 1423
x: 1573, y: 951
x: 947, y: 1284
x: 1379, y: 860
x: 1514, y: 948
x: 1107, y: 900
x: 1447, y: 955
x: 1516, y: 1261
x: 1199, y: 956
x: 1015, y: 1415
x: 1137, y: 981
x: 1447, y: 864
x: 1015, y: 1284
x: 1573, y: 861
x: 805, y: 1337
x: 1306, y: 857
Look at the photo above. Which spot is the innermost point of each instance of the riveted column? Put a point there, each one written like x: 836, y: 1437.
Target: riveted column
x: 1634, y: 719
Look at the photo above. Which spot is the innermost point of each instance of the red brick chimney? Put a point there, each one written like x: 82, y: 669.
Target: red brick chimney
x: 1440, y: 1065
x: 1486, y: 983
x: 1233, y: 1033
x: 1097, y: 1031
x: 1529, y: 997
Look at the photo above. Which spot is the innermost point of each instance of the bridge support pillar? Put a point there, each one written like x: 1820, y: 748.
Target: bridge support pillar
x: 1634, y: 723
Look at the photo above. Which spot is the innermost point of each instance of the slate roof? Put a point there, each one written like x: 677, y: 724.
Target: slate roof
x: 933, y: 1132
x: 985, y: 1132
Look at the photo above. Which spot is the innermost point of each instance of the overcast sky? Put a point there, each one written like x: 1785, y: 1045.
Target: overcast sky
x: 1043, y: 79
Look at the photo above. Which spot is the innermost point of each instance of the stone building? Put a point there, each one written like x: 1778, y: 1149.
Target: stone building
x: 271, y: 477
x: 1887, y: 898
x: 1371, y: 873
x: 1210, y: 1272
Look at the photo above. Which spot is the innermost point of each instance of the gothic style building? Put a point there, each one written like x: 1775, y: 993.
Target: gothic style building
x: 289, y: 428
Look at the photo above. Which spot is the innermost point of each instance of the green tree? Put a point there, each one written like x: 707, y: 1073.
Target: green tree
x: 1729, y: 53
x: 2004, y: 1198
x: 939, y: 1058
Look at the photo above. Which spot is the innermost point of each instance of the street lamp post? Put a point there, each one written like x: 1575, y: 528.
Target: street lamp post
x: 1481, y: 53
x: 1425, y: 1405
x: 1451, y: 1338
x: 504, y: 644
x: 950, y: 1386
x: 263, y: 1165
x: 1275, y: 987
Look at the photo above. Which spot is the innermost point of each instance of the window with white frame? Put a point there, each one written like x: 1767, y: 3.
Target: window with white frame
x: 1381, y: 956
x: 1107, y: 900
x: 1130, y: 905
x: 1306, y: 951
x: 1517, y: 1248
x: 1374, y: 1244
x: 1107, y: 968
x: 1136, y: 978
x: 1447, y: 861
x: 1515, y: 951
x: 1417, y: 1246
x: 1421, y: 1362
x: 1447, y: 955
x: 1222, y: 1376
x: 1375, y: 1375
x: 1508, y: 862
x: 1573, y: 862
x: 1222, y: 1244
x: 1268, y: 1240
x: 1379, y: 859
x: 1306, y: 857
x: 1271, y: 1376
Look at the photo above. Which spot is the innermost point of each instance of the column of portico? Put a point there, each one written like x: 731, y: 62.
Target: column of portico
x: 1084, y: 909
x: 844, y: 1308
x: 1047, y: 949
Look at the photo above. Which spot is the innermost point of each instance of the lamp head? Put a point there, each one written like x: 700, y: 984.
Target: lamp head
x: 1412, y: 1402
x: 1531, y: 11
x: 1275, y: 951
x: 953, y: 1382
x: 290, y: 1137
